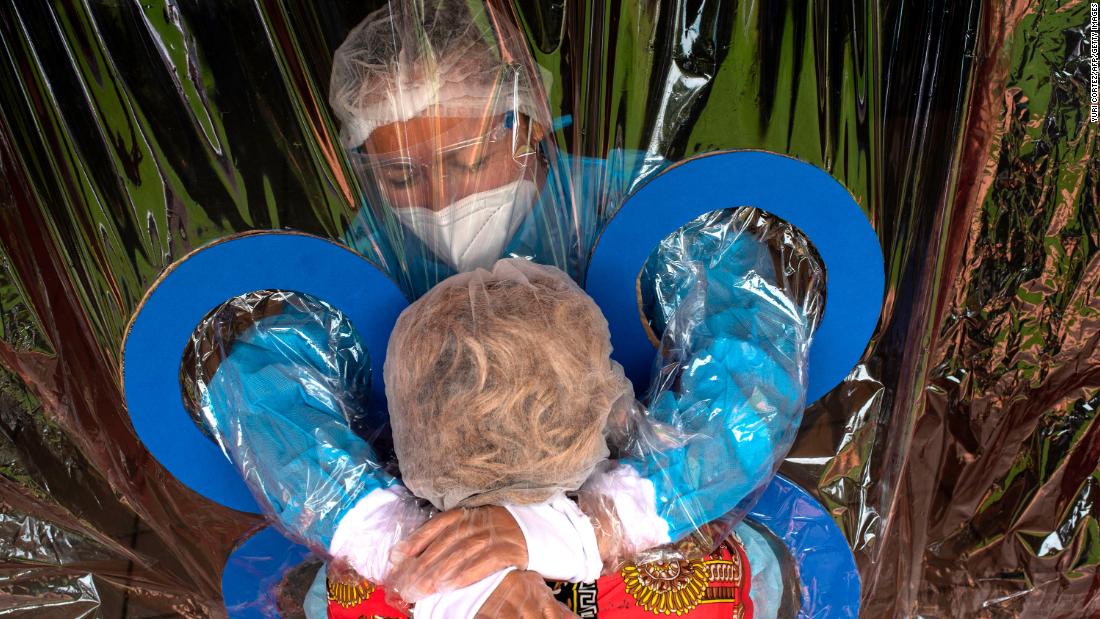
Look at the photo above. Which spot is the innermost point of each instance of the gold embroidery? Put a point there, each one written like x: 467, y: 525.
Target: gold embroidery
x: 667, y: 588
x: 725, y: 579
x: 349, y: 594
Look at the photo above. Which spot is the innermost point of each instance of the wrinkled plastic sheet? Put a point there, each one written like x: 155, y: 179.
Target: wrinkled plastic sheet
x: 959, y: 457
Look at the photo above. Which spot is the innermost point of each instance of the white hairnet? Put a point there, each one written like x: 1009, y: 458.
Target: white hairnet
x: 444, y: 56
x: 500, y: 385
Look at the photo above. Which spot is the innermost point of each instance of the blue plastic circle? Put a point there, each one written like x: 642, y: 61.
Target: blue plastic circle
x: 795, y: 191
x: 251, y: 576
x: 207, y: 278
x: 827, y: 570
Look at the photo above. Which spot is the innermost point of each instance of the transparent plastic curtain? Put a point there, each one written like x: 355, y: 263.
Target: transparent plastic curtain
x: 959, y: 458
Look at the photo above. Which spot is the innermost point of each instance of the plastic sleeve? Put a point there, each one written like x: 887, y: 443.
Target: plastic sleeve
x: 631, y: 506
x: 278, y: 404
x: 735, y: 296
x: 561, y: 543
x: 367, y: 532
x: 461, y: 603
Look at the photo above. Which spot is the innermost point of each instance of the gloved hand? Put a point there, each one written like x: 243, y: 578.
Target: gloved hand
x: 460, y: 547
x: 455, y: 549
x: 523, y: 595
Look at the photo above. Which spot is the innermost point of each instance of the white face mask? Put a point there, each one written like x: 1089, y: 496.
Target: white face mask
x: 474, y: 231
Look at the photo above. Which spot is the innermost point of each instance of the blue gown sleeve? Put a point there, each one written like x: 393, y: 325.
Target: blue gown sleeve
x: 736, y: 296
x: 278, y: 404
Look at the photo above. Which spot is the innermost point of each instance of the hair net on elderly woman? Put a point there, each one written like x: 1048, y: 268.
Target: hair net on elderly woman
x: 500, y: 386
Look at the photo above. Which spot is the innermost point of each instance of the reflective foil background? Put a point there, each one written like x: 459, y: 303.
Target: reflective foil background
x: 960, y: 458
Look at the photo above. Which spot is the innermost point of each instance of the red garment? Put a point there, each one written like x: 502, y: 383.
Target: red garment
x: 716, y: 586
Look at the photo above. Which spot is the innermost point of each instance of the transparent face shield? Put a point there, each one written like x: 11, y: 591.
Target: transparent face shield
x: 459, y: 157
x: 452, y: 190
x: 446, y: 128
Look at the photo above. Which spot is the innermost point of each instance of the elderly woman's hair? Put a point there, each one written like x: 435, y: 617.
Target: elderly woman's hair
x: 499, y: 387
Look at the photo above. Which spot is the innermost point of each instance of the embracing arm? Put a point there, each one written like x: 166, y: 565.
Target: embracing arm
x: 736, y: 296
x: 278, y: 404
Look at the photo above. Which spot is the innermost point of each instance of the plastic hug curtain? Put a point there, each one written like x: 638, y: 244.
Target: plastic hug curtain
x: 959, y: 457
